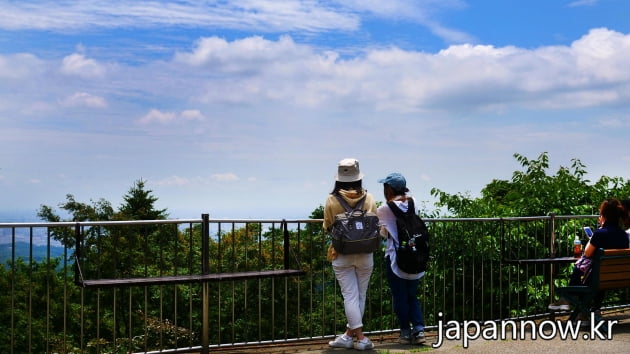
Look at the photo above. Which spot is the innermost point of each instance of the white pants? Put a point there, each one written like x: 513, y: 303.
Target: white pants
x: 353, y: 273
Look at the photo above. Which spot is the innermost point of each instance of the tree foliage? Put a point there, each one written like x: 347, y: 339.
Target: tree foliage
x: 533, y: 192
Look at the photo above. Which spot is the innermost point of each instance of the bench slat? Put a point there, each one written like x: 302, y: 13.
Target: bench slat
x: 614, y: 268
x: 614, y: 284
x: 613, y: 276
x: 616, y: 262
x: 617, y: 252
x: 185, y: 279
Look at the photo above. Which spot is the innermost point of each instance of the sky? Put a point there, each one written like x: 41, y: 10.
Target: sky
x: 242, y: 109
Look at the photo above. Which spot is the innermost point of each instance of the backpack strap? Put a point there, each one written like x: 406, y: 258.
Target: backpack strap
x: 347, y: 207
x: 399, y: 214
x: 396, y: 210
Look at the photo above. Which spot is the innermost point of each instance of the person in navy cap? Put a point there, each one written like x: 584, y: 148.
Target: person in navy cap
x: 403, y: 285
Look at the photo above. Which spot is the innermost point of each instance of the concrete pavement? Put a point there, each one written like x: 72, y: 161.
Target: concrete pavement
x: 587, y: 340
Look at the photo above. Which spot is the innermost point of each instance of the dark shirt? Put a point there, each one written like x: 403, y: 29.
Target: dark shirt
x: 610, y: 236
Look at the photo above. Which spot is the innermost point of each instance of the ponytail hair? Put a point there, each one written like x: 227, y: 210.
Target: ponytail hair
x: 612, y: 210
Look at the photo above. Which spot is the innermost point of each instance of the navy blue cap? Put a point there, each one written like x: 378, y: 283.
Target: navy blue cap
x: 396, y: 181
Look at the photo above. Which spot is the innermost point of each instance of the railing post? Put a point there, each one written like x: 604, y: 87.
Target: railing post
x: 285, y: 242
x: 503, y: 258
x: 205, y: 244
x: 552, y: 248
x: 77, y: 253
x: 205, y: 293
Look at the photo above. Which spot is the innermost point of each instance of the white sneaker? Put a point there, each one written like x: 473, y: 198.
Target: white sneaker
x: 417, y: 337
x: 364, y: 344
x: 404, y: 339
x: 341, y: 342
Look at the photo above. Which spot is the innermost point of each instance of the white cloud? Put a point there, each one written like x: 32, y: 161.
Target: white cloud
x: 243, y: 55
x: 589, y: 73
x: 579, y: 3
x: 79, y: 65
x: 84, y: 99
x: 603, y: 54
x: 615, y: 122
x: 17, y: 66
x: 173, y: 181
x: 155, y: 115
x: 261, y: 74
x: 420, y: 12
x: 158, y: 116
x: 192, y: 114
x: 261, y: 15
x: 224, y: 177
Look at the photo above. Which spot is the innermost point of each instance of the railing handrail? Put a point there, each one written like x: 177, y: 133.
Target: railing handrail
x: 265, y: 221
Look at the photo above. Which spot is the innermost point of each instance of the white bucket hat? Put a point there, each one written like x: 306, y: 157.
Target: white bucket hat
x: 348, y: 171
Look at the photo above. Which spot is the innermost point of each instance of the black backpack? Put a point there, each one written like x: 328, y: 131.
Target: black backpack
x: 356, y: 230
x: 412, y: 250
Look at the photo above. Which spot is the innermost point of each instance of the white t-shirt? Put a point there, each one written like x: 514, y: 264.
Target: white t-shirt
x: 387, y: 218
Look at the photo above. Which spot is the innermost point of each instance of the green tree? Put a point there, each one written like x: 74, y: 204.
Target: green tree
x: 534, y: 192
x: 531, y: 191
x: 140, y: 204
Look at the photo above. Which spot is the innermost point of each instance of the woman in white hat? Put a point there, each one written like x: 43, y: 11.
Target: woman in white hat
x: 352, y: 271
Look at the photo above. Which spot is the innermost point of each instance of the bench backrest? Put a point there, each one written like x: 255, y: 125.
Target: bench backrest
x: 614, y: 269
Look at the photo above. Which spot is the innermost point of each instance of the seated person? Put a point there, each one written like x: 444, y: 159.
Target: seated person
x: 626, y: 217
x: 609, y: 235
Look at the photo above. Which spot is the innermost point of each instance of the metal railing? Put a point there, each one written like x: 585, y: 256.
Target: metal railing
x: 470, y: 278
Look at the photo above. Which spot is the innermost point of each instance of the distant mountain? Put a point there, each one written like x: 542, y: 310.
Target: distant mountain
x: 19, y: 216
x: 22, y: 249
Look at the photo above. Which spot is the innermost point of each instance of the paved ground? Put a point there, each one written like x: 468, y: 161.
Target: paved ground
x: 588, y: 341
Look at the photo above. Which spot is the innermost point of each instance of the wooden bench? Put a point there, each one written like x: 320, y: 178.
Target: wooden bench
x: 610, y: 271
x: 203, y: 277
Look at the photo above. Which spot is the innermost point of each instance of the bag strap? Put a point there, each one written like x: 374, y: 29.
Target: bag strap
x: 399, y: 213
x: 347, y: 207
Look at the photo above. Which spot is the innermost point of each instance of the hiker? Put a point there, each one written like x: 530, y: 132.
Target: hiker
x: 352, y: 271
x: 403, y: 285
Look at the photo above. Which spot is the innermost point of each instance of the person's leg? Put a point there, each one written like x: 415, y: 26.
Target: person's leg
x: 364, y: 266
x: 346, y: 275
x: 415, y: 311
x: 353, y: 274
x: 576, y: 276
x: 598, y: 300
x: 399, y: 295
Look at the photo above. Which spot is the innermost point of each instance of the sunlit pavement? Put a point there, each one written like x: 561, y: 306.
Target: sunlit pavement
x: 588, y: 341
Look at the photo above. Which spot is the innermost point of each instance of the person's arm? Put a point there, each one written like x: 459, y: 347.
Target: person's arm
x: 329, y: 218
x: 380, y: 212
x: 589, y: 250
x: 595, y: 242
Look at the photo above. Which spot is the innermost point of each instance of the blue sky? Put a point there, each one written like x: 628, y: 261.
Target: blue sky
x: 243, y: 108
